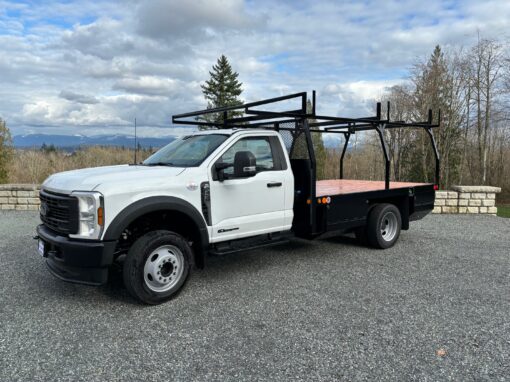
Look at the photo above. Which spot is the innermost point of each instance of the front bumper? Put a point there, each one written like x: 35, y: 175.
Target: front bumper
x: 78, y: 261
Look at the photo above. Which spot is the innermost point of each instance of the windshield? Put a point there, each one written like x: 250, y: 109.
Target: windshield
x: 188, y: 151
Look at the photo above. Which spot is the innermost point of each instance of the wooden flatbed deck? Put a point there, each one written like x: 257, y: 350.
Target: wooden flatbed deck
x: 350, y: 186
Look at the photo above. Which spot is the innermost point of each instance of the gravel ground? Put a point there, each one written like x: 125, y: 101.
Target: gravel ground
x: 434, y: 307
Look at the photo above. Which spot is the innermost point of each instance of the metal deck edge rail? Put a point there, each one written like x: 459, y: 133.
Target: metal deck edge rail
x: 273, y: 120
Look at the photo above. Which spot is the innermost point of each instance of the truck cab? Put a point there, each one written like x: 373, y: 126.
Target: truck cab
x: 210, y: 192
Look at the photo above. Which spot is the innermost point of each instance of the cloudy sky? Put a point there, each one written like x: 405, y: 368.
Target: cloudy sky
x: 91, y: 67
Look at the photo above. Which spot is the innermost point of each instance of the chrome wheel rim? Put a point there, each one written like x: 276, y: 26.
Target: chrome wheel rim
x: 389, y: 226
x: 163, y: 268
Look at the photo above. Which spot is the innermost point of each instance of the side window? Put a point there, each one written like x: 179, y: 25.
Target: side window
x: 259, y: 147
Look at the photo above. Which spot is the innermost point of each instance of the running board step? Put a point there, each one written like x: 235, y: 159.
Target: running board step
x: 266, y: 240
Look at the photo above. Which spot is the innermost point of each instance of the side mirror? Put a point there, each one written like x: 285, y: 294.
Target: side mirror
x: 244, y: 164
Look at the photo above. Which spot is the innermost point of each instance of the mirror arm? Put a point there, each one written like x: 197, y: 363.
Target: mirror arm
x: 220, y: 167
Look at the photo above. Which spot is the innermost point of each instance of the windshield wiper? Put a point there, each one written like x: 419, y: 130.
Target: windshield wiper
x: 159, y: 164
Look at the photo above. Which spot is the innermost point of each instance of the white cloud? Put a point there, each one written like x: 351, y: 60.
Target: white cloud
x: 357, y: 98
x: 167, y: 19
x: 69, y: 66
x: 363, y: 90
x: 251, y: 65
x: 147, y: 85
x: 58, y: 112
x: 79, y: 98
x: 103, y: 38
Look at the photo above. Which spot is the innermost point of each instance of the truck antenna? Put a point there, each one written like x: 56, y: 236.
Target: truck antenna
x: 136, y: 146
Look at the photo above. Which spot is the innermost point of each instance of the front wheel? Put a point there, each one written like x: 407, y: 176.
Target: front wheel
x: 157, y: 266
x: 384, y: 223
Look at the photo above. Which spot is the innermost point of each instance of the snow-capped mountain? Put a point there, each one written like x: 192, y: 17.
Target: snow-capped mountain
x: 73, y: 141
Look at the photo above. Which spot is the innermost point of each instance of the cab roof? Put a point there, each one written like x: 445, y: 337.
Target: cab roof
x: 231, y: 131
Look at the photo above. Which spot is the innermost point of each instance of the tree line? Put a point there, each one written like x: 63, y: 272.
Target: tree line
x: 6, y: 151
x: 471, y: 87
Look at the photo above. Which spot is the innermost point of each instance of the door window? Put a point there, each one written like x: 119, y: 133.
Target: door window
x: 259, y: 147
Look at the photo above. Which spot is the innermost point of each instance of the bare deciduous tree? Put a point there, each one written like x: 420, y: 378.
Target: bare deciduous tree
x: 485, y: 71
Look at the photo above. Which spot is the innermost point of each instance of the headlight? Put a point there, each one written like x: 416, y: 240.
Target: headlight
x: 91, y: 215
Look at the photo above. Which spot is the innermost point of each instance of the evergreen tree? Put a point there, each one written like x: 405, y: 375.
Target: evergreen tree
x: 222, y: 89
x: 48, y: 148
x: 6, y: 150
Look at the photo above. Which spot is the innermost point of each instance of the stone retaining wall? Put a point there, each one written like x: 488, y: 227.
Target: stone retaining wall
x: 461, y: 200
x: 19, y: 197
x: 467, y: 200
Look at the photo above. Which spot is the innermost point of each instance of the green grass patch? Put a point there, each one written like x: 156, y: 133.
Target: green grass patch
x: 504, y: 211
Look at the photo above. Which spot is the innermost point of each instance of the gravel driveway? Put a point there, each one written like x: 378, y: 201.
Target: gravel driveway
x: 434, y: 307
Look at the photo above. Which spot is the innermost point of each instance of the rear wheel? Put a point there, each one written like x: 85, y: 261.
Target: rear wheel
x: 157, y: 266
x: 384, y: 223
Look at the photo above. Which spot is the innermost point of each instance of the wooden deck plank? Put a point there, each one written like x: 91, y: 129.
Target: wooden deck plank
x: 350, y: 186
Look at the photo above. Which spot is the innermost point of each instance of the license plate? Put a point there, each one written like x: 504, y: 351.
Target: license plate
x: 41, y: 248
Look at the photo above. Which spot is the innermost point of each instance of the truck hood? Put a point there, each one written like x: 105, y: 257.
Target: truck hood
x: 88, y: 179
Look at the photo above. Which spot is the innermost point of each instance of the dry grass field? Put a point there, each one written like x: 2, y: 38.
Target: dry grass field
x: 33, y: 166
x: 362, y: 162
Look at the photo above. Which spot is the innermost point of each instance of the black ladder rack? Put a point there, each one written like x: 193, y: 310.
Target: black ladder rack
x: 277, y: 120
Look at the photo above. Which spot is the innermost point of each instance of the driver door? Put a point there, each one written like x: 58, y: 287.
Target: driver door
x: 252, y: 205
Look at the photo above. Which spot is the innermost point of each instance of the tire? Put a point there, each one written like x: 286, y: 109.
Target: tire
x: 384, y: 223
x: 157, y: 266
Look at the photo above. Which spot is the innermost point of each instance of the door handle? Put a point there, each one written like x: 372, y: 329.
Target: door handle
x: 274, y: 184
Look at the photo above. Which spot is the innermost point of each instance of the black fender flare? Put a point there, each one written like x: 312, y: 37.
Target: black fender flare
x: 160, y: 203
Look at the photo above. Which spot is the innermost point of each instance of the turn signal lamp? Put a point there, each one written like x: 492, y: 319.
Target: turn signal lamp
x: 100, y: 216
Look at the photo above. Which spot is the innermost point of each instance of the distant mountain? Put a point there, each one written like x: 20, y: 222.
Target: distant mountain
x: 73, y: 141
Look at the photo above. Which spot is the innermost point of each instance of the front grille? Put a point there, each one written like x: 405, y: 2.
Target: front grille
x: 59, y: 212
